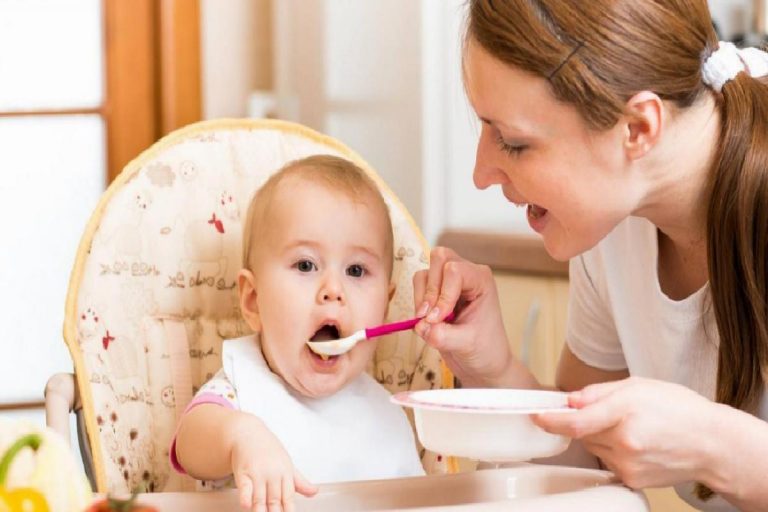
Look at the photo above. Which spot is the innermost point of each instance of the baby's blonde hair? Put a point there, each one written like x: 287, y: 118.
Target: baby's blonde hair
x: 337, y: 174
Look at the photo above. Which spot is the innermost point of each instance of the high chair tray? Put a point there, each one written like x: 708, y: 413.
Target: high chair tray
x: 526, y: 487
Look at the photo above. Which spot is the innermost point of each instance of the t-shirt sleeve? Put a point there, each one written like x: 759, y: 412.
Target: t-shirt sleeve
x: 218, y: 390
x: 590, y: 331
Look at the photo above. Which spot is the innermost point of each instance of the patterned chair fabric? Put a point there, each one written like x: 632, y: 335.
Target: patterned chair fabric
x: 153, y: 290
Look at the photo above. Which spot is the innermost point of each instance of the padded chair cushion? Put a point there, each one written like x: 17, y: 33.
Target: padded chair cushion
x: 160, y: 255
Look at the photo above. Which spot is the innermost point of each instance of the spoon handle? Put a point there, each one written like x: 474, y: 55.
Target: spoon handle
x: 381, y: 330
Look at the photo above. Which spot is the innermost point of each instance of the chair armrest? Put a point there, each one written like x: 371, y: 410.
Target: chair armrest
x: 61, y: 399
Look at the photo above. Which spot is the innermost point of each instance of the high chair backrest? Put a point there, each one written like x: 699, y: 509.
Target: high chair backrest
x: 153, y: 291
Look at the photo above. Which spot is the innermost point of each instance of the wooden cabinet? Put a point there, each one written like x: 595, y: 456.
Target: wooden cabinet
x: 534, y: 310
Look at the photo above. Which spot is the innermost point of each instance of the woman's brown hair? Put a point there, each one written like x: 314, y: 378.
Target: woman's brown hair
x: 596, y: 55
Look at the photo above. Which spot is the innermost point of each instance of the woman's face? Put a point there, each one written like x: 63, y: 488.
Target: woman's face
x: 575, y: 182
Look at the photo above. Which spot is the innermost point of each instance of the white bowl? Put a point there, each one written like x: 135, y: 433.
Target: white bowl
x: 491, y: 425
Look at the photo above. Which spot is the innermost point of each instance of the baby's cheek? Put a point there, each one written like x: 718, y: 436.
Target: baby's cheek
x: 364, y: 356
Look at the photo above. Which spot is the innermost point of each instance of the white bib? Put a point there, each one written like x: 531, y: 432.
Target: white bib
x: 355, y: 434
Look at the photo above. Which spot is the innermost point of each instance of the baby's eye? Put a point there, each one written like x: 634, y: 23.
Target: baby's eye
x: 355, y: 271
x: 305, y: 266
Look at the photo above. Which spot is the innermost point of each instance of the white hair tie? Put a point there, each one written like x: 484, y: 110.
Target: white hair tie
x: 728, y: 61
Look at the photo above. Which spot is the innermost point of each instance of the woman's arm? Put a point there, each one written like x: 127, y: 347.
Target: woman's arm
x: 574, y: 374
x: 738, y: 460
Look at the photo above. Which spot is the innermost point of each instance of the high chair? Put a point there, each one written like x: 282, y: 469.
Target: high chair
x: 153, y: 292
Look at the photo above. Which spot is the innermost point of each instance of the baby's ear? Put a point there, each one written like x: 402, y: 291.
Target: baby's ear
x: 248, y: 304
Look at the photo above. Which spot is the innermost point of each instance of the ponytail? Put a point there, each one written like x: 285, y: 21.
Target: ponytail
x: 737, y: 245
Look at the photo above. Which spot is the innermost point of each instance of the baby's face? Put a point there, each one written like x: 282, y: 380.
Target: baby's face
x: 323, y: 274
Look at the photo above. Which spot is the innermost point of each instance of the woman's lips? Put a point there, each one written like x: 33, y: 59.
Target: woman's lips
x: 536, y: 211
x: 537, y: 217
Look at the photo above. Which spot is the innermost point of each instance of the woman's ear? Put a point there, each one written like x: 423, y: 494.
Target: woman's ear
x: 644, y: 124
x: 248, y: 305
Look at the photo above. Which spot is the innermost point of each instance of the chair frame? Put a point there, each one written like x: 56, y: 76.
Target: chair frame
x: 68, y: 393
x: 62, y: 398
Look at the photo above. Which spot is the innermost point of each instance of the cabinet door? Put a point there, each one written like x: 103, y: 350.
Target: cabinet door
x: 666, y: 500
x: 534, y: 319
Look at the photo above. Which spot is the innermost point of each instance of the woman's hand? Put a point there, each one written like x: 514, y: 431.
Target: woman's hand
x: 474, y: 345
x: 650, y: 433
x: 264, y: 473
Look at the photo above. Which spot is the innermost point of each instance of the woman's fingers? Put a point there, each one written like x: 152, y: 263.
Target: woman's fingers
x: 599, y: 409
x: 450, y: 291
x: 446, y: 337
x: 434, y: 278
x: 596, y: 392
x: 592, y: 419
x: 437, y: 290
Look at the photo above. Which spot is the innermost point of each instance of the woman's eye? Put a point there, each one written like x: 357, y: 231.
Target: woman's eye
x: 510, y: 149
x: 355, y: 271
x: 305, y: 266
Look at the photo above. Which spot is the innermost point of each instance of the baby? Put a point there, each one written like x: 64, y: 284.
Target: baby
x: 317, y: 265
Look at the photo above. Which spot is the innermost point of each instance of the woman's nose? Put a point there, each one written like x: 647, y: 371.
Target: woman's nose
x: 331, y: 290
x: 484, y: 176
x: 487, y: 171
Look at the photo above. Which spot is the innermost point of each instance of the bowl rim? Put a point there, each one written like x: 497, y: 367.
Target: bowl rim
x: 413, y: 400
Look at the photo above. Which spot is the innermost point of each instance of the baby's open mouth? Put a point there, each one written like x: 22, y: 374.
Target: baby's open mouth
x: 326, y: 333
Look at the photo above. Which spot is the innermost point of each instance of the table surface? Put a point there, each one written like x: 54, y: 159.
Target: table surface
x: 528, y: 487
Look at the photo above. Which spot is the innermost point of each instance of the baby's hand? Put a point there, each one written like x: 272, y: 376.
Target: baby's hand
x: 264, y: 473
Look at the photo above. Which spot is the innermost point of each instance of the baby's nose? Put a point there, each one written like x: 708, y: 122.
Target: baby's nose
x: 331, y: 291
x: 330, y: 297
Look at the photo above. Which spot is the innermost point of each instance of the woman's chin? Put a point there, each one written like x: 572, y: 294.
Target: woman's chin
x: 558, y: 252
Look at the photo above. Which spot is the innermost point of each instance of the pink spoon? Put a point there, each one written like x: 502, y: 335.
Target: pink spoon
x: 340, y: 346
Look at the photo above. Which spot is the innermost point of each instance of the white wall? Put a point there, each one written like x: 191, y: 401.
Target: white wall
x: 236, y: 54
x: 450, y: 134
x: 352, y: 70
x: 383, y: 77
x: 732, y: 16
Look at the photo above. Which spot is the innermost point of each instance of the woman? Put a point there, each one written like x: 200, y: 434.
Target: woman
x: 640, y: 145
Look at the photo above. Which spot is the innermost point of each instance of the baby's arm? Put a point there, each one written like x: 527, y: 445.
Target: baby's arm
x: 205, y: 438
x: 215, y: 441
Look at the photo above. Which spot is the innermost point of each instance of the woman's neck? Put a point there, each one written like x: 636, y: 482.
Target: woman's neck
x: 677, y: 176
x: 676, y: 173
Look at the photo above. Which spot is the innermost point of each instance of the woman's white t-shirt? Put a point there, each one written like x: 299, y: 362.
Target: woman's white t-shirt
x: 619, y: 318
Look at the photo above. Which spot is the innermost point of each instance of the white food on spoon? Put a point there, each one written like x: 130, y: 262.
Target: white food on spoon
x: 325, y: 346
